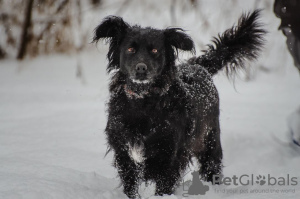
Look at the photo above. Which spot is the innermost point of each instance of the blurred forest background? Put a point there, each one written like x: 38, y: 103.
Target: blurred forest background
x: 30, y: 28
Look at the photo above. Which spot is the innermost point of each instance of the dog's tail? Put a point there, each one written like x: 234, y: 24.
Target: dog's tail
x: 234, y: 47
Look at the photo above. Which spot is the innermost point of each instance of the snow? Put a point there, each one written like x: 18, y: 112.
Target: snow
x: 294, y: 126
x: 52, y: 141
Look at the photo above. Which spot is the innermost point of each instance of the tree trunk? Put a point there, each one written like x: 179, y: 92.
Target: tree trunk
x: 26, y: 26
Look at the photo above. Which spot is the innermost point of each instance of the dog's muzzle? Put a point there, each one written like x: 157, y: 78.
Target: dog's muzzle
x: 141, y: 68
x: 141, y: 72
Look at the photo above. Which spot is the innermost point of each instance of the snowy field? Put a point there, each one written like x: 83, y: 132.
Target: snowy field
x: 52, y: 142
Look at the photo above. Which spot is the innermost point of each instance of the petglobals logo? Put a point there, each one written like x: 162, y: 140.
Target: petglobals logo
x: 246, y: 180
x: 243, y: 184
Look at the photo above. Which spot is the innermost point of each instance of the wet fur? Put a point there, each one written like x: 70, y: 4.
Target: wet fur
x: 176, y: 116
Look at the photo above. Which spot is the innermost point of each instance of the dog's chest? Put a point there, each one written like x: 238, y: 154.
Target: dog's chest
x: 136, y: 152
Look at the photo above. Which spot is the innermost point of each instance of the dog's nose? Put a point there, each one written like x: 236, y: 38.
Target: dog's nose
x: 141, y: 68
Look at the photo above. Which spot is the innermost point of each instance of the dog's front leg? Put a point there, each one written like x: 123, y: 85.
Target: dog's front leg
x: 166, y: 183
x: 129, y: 174
x: 164, y: 171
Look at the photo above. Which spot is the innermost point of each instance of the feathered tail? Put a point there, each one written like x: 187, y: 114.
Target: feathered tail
x: 234, y: 47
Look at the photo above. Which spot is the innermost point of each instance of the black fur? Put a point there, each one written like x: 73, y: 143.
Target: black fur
x: 169, y: 112
x: 234, y: 46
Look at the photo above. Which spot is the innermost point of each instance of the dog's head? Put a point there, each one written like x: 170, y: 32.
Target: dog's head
x: 141, y: 54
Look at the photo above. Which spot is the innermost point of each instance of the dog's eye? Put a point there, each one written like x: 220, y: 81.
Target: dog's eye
x: 154, y: 50
x: 131, y: 50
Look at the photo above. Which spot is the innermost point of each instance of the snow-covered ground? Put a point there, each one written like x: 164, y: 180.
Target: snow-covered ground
x: 52, y: 141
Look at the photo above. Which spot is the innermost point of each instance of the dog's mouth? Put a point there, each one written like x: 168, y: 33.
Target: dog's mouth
x: 139, y: 88
x: 141, y: 81
x: 139, y: 85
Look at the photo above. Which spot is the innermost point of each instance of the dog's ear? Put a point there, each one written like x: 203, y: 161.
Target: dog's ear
x: 111, y: 27
x: 114, y: 30
x: 180, y: 40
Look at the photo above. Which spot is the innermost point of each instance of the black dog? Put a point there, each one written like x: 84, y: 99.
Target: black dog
x: 161, y: 115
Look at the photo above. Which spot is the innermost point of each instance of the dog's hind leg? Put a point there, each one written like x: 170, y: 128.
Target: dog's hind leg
x: 211, y: 156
